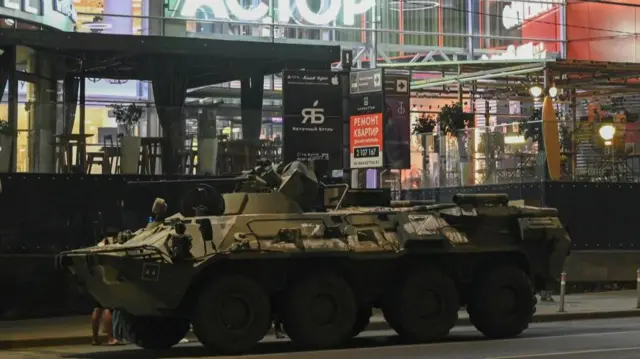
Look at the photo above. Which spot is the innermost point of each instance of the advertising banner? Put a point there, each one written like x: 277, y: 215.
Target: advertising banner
x: 366, y: 146
x: 312, y: 116
x: 397, y: 119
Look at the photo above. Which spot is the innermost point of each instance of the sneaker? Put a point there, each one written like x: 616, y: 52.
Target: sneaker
x: 184, y: 341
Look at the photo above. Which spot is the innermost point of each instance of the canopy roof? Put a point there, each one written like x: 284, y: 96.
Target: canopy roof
x: 204, y: 61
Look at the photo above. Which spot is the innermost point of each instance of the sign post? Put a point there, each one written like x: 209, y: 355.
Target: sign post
x: 366, y: 120
x: 380, y: 95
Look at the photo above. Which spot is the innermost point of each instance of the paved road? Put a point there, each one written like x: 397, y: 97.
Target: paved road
x: 591, y: 339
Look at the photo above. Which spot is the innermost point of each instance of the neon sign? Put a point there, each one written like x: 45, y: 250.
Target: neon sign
x: 517, y: 12
x: 283, y: 12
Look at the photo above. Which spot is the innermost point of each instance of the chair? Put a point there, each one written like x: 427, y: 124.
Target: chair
x: 104, y: 158
x: 189, y: 155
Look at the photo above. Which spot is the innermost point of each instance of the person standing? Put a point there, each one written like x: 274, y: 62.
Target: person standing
x: 100, y: 313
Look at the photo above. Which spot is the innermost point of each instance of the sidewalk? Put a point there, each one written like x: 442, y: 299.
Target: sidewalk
x: 77, y: 330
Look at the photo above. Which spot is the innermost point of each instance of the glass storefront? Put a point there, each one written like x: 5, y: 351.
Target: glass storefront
x: 129, y: 21
x: 403, y: 27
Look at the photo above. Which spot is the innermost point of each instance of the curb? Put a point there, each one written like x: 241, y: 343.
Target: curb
x: 375, y: 326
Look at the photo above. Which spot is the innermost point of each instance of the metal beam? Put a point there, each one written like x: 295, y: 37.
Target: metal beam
x: 480, y: 75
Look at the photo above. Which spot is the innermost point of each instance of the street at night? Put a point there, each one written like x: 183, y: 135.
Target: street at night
x: 591, y: 339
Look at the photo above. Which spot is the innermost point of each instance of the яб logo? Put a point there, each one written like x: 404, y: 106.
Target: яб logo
x: 313, y: 115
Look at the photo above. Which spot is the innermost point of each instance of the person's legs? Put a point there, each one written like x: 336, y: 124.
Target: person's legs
x: 108, y: 327
x: 95, y: 325
x: 117, y: 325
x: 277, y: 328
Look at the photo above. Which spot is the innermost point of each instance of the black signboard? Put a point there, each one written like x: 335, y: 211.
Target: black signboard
x: 366, y: 103
x: 397, y: 120
x: 312, y: 116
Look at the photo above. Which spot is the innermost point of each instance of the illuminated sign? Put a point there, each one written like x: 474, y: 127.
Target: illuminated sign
x: 283, y: 10
x: 66, y: 8
x: 517, y: 12
x: 527, y: 51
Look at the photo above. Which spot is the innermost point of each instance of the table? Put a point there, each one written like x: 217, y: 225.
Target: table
x: 65, y: 144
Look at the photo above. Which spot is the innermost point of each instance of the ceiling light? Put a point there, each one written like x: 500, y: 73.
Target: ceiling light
x: 413, y: 5
x: 553, y: 91
x: 535, y: 91
x: 606, y: 133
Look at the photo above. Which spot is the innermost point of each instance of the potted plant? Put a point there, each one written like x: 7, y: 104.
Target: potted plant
x: 7, y: 135
x: 453, y: 121
x: 128, y: 116
x: 531, y: 128
x: 423, y: 127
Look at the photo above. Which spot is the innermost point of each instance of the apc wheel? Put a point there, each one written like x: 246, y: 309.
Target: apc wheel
x: 155, y: 333
x: 232, y: 314
x: 502, y: 303
x: 320, y: 312
x: 363, y: 318
x: 424, y: 307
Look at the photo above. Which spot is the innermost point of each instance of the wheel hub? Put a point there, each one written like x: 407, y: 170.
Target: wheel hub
x: 323, y: 309
x: 236, y: 313
x: 430, y: 304
x: 506, y: 300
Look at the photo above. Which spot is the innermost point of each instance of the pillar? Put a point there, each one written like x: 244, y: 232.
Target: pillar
x: 207, y: 141
x: 43, y: 115
x: 119, y: 25
x: 251, y: 97
x: 153, y: 27
x: 13, y: 105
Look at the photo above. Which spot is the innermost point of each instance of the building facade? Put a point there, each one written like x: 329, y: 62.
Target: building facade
x: 378, y: 31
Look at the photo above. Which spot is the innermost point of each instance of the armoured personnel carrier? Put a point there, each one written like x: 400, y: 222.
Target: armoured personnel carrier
x: 320, y: 257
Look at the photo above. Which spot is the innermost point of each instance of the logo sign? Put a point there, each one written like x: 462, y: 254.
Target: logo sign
x: 312, y: 116
x: 519, y: 11
x: 343, y: 11
x: 366, y: 141
x: 366, y: 103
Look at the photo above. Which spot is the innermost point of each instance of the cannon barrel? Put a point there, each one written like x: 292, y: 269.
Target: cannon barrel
x: 481, y: 199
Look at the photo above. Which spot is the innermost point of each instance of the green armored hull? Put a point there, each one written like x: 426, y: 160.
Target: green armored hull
x: 232, y: 263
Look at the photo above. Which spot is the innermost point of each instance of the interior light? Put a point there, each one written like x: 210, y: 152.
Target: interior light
x: 553, y: 91
x: 606, y: 133
x: 535, y: 91
x: 514, y: 140
x: 96, y: 25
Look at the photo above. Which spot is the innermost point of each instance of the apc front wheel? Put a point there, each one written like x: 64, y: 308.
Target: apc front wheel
x: 502, y: 302
x: 154, y: 333
x: 232, y: 314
